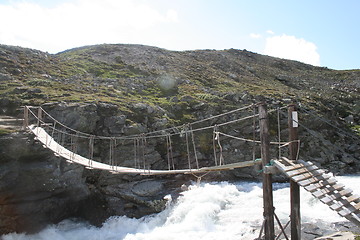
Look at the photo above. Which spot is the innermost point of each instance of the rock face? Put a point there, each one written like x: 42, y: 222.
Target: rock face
x: 36, y: 187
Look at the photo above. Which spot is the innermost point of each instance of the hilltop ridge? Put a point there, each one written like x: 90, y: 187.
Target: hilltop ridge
x: 123, y: 74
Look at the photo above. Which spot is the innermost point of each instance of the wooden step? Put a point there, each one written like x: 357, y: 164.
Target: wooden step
x: 317, y: 179
x: 333, y: 195
x: 306, y: 163
x: 357, y: 206
x: 320, y: 185
x: 346, y: 192
x: 321, y: 192
x: 339, y: 206
x: 301, y: 171
x: 335, y: 206
x: 330, y: 191
x: 354, y: 198
x: 348, y: 210
x: 288, y: 165
x: 327, y: 199
x: 344, y: 207
x: 308, y: 175
x: 338, y: 186
x: 294, y: 167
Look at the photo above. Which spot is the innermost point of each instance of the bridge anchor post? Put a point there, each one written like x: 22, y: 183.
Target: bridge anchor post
x: 26, y: 118
x: 39, y: 116
x: 295, y: 217
x: 267, y: 177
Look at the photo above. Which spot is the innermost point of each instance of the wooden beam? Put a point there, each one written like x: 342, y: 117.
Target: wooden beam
x: 26, y: 118
x: 267, y: 178
x: 294, y: 187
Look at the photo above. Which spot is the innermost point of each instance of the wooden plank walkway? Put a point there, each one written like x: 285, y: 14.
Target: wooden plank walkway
x: 61, y: 151
x: 323, y: 186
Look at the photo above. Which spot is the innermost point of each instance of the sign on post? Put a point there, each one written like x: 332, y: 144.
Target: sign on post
x: 295, y: 120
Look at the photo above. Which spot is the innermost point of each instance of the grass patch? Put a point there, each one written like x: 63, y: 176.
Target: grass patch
x: 356, y: 129
x: 5, y: 131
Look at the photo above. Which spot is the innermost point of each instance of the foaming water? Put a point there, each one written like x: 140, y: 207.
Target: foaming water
x: 209, y: 211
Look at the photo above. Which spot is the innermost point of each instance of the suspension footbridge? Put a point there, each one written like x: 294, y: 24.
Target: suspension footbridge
x: 64, y: 142
x: 59, y: 150
x: 71, y: 145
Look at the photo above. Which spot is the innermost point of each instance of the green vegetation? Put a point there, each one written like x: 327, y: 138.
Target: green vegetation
x: 4, y: 131
x: 356, y: 128
x: 179, y: 82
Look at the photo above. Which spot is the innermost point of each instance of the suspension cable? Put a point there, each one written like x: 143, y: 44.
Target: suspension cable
x: 311, y: 132
x: 148, y: 135
x: 206, y: 119
x: 329, y: 123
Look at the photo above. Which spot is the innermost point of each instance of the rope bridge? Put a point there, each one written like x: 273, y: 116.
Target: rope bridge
x: 66, y: 142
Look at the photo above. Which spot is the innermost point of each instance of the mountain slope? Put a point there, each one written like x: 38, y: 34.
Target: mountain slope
x: 124, y: 74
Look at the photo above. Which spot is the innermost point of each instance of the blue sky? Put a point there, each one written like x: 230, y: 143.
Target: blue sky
x: 318, y: 32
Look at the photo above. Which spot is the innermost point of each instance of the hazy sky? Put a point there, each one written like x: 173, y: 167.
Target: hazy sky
x: 318, y: 32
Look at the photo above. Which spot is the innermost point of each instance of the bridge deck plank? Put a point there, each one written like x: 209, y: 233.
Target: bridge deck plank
x: 347, y: 210
x: 299, y: 171
x: 313, y: 180
x: 354, y: 198
x: 321, y: 185
x: 307, y: 175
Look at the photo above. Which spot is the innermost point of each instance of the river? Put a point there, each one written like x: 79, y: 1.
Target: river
x: 211, y: 211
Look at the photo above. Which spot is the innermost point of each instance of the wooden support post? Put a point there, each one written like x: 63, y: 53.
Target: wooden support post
x: 39, y: 116
x: 267, y: 178
x: 26, y: 118
x: 294, y: 187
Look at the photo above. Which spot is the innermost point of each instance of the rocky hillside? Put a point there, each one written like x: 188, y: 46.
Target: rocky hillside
x: 127, y: 74
x: 116, y: 90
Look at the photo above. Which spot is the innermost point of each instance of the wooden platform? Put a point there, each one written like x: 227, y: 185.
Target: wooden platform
x: 61, y: 151
x: 323, y: 186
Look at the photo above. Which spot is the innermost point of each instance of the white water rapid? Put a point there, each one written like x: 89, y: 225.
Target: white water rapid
x: 211, y: 211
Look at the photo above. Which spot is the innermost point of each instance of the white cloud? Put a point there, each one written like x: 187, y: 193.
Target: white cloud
x: 172, y: 15
x: 255, y: 35
x: 270, y: 32
x: 293, y: 48
x: 81, y: 22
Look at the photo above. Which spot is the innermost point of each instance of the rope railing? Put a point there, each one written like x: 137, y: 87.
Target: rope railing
x: 203, y: 120
x: 186, y: 137
x: 317, y: 135
x: 177, y: 129
x: 283, y: 144
x: 329, y: 123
